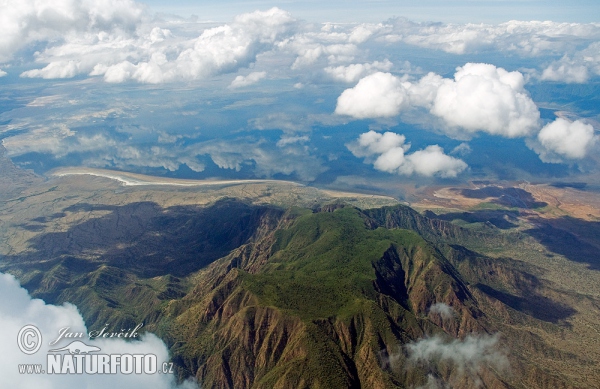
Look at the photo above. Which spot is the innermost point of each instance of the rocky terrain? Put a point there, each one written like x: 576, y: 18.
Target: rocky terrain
x: 277, y: 285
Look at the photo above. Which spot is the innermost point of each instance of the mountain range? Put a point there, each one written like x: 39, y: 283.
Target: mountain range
x: 268, y: 294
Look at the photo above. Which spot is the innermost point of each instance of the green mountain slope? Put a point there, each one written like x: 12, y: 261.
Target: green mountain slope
x: 251, y: 296
x: 331, y: 298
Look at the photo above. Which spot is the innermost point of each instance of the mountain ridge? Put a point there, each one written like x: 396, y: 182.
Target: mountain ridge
x: 251, y: 295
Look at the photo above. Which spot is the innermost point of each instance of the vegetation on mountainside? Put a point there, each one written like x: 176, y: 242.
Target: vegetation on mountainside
x: 323, y: 265
x: 255, y: 296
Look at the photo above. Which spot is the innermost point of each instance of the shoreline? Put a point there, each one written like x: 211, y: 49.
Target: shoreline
x: 134, y: 179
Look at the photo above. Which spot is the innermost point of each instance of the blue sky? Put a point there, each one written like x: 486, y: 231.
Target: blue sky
x: 359, y: 95
x: 455, y: 11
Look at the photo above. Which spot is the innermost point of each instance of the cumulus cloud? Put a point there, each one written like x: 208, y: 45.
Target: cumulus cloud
x: 526, y: 38
x: 575, y: 69
x: 485, y: 98
x: 118, y: 40
x: 310, y: 52
x: 449, y: 38
x: 388, y: 148
x: 566, y: 70
x: 372, y: 142
x: 354, y: 72
x: 531, y: 38
x: 376, y: 95
x: 252, y: 78
x: 387, y: 152
x: 151, y: 54
x: 229, y: 47
x: 27, y: 21
x: 466, y: 356
x: 432, y: 161
x: 363, y: 32
x: 564, y: 139
x: 333, y: 44
x: 338, y: 43
x: 590, y: 56
x: 58, y: 69
x: 18, y: 309
x: 2, y: 73
x: 481, y: 97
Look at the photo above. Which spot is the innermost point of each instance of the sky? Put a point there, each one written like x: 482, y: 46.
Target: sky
x: 355, y: 95
x: 374, y: 11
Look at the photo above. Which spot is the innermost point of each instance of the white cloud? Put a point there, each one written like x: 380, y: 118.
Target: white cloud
x: 139, y: 54
x: 530, y: 38
x: 387, y: 152
x: 230, y: 47
x: 449, y: 38
x: 370, y: 143
x: 462, y: 149
x: 376, y: 95
x: 572, y: 140
x: 27, y: 21
x: 18, y: 309
x: 485, y: 98
x: 566, y: 70
x: 151, y: 54
x: 310, y: 52
x: 333, y: 44
x: 577, y: 43
x: 432, y: 161
x: 481, y: 97
x: 442, y: 309
x: 466, y: 356
x: 590, y: 56
x: 578, y: 68
x: 252, y: 78
x: 361, y: 33
x: 526, y: 38
x: 388, y: 148
x: 54, y: 70
x: 354, y: 72
x: 92, y: 37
